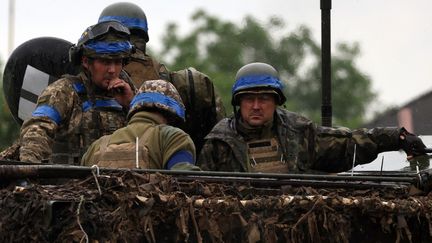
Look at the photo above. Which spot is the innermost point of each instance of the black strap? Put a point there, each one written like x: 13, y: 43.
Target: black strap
x: 192, y: 89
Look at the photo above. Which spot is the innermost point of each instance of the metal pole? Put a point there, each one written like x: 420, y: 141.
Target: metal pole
x: 326, y: 107
x: 69, y: 171
x: 11, y: 26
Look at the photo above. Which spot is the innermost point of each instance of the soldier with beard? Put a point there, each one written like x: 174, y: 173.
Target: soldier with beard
x: 76, y: 110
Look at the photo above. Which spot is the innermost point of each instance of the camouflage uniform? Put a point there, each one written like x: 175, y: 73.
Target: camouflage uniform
x: 304, y: 145
x: 83, y: 114
x: 74, y: 111
x: 159, y: 146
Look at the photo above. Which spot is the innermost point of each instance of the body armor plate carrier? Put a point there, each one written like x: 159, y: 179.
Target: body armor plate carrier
x: 265, y: 156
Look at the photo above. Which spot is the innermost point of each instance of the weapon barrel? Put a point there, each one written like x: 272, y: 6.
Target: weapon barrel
x: 68, y: 171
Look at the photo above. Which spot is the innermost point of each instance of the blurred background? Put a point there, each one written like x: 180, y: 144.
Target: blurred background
x: 380, y: 50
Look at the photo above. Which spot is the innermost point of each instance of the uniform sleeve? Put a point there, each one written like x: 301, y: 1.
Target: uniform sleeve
x: 334, y: 147
x: 88, y: 158
x: 216, y: 156
x: 53, y: 108
x: 206, y: 158
x: 178, y: 149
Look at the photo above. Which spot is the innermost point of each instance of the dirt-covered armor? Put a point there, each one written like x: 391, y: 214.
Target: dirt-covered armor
x: 147, y: 142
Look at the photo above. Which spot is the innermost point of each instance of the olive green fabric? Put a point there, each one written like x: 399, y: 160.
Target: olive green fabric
x: 305, y: 145
x: 162, y: 141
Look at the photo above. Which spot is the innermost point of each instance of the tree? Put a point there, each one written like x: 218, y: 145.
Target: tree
x: 219, y: 48
x: 9, y: 129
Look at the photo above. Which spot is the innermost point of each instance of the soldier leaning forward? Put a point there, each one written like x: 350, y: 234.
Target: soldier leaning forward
x: 262, y: 137
x: 204, y: 107
x: 76, y: 110
x: 148, y: 141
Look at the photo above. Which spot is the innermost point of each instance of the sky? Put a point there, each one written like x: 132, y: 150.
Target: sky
x: 395, y: 36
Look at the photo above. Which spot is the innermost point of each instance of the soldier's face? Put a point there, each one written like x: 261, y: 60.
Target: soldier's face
x: 103, y: 71
x: 257, y: 109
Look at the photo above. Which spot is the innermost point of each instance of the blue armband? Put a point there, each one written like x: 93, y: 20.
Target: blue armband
x: 182, y: 156
x: 47, y: 111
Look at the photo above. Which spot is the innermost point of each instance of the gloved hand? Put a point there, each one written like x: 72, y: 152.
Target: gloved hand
x: 411, y: 144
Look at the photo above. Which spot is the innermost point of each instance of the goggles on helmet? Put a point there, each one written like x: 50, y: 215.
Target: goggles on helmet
x: 99, y: 47
x: 103, y: 28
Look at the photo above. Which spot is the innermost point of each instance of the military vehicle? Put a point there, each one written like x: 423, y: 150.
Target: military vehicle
x: 63, y: 203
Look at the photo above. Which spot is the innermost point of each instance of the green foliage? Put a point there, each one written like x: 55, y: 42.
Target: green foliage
x: 9, y: 129
x: 219, y: 48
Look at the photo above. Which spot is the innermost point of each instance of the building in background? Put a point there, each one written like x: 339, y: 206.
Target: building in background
x: 415, y: 116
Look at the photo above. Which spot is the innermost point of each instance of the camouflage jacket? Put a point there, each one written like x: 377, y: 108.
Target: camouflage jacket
x: 305, y: 145
x: 71, y: 113
x: 204, y: 106
x: 158, y: 145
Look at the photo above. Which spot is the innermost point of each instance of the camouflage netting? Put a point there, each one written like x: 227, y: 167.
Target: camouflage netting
x: 132, y: 207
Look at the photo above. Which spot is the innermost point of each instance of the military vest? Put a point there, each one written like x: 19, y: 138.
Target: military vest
x: 125, y: 155
x: 99, y: 116
x: 266, y: 156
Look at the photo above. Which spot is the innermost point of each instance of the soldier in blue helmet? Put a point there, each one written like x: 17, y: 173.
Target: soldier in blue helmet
x: 149, y: 141
x: 204, y: 107
x: 76, y: 110
x: 262, y: 137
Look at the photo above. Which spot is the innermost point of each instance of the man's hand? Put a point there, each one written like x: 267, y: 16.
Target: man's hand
x: 121, y: 91
x: 411, y: 144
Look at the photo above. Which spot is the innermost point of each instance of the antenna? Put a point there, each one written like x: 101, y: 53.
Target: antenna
x: 326, y: 107
x: 136, y: 153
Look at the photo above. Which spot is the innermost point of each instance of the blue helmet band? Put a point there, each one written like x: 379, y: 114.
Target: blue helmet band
x: 158, y: 98
x: 257, y: 81
x: 131, y: 23
x: 101, y: 47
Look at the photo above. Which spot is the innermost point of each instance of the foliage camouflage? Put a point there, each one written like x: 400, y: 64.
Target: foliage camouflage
x: 137, y: 207
x: 219, y: 48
